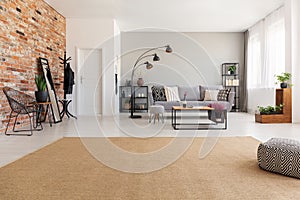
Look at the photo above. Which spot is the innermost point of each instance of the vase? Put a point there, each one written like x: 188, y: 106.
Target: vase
x: 41, y: 96
x: 140, y: 82
x: 283, y: 85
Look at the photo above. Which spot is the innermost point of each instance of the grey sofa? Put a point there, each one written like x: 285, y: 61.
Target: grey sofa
x: 195, y: 97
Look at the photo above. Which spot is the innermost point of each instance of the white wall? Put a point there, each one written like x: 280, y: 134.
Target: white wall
x: 94, y: 33
x: 196, y: 57
x: 117, y: 61
x: 222, y: 47
x: 294, y: 10
x: 260, y: 97
x: 292, y: 20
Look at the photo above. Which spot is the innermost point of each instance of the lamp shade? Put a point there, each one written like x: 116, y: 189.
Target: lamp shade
x: 148, y: 65
x: 156, y: 58
x: 168, y: 49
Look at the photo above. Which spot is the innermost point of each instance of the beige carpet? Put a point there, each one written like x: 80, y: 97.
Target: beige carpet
x: 65, y: 170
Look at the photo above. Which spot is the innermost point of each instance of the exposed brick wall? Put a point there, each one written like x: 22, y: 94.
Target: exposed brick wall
x: 29, y: 29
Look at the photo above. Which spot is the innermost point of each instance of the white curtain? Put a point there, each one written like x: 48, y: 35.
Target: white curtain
x: 266, y: 50
x: 274, y: 46
x: 255, y: 54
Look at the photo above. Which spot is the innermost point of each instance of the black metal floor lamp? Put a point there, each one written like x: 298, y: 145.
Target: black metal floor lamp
x: 148, y: 66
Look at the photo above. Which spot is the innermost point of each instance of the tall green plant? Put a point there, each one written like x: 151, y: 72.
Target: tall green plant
x: 40, y: 82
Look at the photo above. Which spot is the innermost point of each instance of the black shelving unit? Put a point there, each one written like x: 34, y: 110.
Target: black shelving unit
x: 231, y: 80
x: 140, y: 100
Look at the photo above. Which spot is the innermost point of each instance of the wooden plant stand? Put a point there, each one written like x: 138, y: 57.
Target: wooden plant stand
x: 284, y: 97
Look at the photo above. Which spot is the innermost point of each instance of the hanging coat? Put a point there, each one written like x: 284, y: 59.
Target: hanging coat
x: 68, y: 79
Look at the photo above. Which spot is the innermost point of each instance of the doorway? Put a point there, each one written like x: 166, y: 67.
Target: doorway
x: 90, y: 82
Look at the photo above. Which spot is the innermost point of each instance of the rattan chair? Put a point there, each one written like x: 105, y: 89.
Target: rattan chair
x: 22, y: 104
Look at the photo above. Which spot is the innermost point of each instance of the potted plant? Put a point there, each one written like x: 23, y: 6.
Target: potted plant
x: 231, y: 69
x: 269, y: 110
x: 127, y: 104
x: 283, y: 78
x: 41, y: 94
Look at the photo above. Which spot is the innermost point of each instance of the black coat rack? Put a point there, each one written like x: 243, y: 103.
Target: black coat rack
x: 68, y: 85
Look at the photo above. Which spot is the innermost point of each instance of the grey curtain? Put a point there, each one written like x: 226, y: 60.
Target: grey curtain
x: 244, y: 92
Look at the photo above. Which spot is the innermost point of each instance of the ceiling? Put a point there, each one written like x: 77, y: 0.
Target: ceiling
x: 176, y: 15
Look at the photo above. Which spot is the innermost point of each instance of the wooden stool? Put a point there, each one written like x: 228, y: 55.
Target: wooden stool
x: 155, y: 112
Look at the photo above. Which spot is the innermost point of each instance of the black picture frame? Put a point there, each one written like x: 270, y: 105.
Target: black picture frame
x: 51, y: 90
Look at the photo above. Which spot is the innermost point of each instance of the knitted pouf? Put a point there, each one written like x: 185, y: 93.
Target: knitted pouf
x: 280, y: 156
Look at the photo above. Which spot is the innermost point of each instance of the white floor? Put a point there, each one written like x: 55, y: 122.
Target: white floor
x: 239, y: 124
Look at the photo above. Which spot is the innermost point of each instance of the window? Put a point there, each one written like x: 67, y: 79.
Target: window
x: 254, y: 61
x: 275, y: 51
x: 266, y: 51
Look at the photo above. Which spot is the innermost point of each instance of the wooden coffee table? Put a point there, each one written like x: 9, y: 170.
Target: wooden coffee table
x: 214, y: 120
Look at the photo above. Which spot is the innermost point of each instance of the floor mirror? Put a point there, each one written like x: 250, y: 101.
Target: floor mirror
x: 51, y: 90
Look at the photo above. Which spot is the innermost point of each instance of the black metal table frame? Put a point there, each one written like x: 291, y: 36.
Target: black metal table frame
x: 211, y: 116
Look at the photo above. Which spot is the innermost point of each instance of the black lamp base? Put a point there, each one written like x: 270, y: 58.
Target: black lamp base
x: 135, y: 116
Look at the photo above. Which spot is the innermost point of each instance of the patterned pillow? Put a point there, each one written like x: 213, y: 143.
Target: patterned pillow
x: 158, y: 93
x: 223, y: 94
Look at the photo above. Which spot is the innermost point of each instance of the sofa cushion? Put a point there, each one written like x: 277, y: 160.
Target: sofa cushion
x: 193, y: 93
x: 208, y: 87
x: 223, y: 94
x: 158, y: 93
x: 211, y: 95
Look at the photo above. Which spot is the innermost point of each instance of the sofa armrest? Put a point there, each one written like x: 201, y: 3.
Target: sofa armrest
x: 231, y: 98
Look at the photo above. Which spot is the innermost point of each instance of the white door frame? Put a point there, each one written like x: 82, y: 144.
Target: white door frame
x: 77, y: 52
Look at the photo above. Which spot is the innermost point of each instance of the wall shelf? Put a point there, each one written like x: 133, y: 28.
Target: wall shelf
x: 231, y: 80
x: 140, y: 99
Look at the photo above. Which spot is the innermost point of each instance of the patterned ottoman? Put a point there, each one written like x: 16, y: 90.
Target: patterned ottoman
x: 280, y: 156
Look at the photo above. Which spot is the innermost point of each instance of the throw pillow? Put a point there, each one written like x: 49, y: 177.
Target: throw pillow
x: 211, y: 95
x: 202, y: 89
x: 172, y: 93
x: 158, y: 93
x: 223, y: 95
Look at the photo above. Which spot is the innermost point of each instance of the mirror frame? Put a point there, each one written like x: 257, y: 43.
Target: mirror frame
x: 51, y: 91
